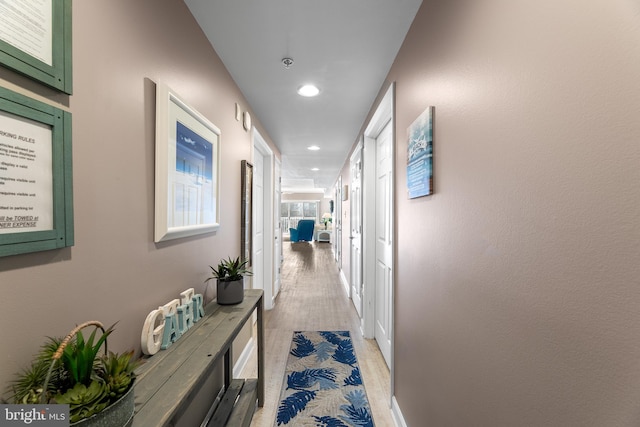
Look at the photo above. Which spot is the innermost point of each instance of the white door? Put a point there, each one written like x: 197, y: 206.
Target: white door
x: 277, y: 245
x: 263, y: 228
x: 258, y: 221
x: 384, y: 241
x: 355, y: 232
x: 337, y: 224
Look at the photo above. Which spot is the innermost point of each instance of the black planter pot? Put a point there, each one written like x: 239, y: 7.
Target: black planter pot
x: 230, y: 292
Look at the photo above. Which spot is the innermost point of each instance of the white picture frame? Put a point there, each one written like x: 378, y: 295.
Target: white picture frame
x: 187, y: 181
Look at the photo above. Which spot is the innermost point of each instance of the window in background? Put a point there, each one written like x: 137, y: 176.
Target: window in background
x: 292, y: 212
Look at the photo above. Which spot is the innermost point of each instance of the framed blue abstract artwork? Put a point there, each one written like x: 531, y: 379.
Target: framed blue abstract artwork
x: 420, y: 155
x: 187, y: 169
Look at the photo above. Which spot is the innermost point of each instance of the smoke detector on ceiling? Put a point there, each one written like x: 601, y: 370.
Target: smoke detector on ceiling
x: 287, y: 62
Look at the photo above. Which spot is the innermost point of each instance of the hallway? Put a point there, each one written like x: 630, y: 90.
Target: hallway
x: 313, y: 298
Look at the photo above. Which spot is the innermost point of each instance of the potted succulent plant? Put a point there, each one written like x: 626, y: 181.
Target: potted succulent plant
x: 230, y: 277
x: 97, y: 387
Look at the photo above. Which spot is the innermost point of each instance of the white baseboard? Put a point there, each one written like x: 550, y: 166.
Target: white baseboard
x: 396, y: 414
x: 244, y: 358
x: 345, y: 283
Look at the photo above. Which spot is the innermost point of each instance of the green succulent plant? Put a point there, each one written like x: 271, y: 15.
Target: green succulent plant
x: 27, y: 388
x: 229, y: 270
x: 117, y: 371
x: 84, y: 401
x: 75, y: 373
x: 80, y: 357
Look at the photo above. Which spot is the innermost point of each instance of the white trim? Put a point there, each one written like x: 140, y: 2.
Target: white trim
x: 359, y: 146
x: 345, y: 282
x: 245, y: 356
x: 396, y: 414
x: 382, y: 116
x: 356, y: 220
x: 277, y: 231
x: 337, y: 222
x: 368, y: 237
x: 260, y: 147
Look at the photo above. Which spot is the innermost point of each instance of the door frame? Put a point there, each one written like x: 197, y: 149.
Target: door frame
x: 277, y: 251
x: 337, y: 223
x: 356, y: 216
x: 261, y: 148
x: 383, y: 115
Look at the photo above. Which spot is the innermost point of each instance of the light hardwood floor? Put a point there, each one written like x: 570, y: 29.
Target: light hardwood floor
x: 312, y: 298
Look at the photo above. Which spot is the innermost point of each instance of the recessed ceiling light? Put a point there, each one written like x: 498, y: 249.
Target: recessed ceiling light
x: 308, y: 90
x: 315, y: 169
x: 313, y: 148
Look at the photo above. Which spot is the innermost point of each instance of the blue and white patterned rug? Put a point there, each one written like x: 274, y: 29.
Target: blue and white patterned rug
x: 323, y: 386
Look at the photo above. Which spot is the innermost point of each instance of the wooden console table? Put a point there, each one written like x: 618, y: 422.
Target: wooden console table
x: 167, y: 381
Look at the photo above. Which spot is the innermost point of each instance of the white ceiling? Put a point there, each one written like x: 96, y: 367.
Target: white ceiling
x: 345, y: 47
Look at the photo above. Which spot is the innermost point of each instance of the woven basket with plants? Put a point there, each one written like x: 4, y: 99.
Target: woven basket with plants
x: 73, y: 371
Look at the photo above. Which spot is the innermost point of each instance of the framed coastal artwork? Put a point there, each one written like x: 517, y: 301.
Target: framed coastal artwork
x: 420, y: 155
x: 187, y: 169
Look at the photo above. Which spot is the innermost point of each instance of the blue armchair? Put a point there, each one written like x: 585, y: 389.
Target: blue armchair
x: 304, y: 231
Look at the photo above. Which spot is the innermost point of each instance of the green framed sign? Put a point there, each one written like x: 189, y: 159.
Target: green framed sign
x: 36, y: 192
x: 35, y: 40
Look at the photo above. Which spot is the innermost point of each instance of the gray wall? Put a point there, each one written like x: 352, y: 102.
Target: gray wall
x: 518, y: 281
x: 115, y: 272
